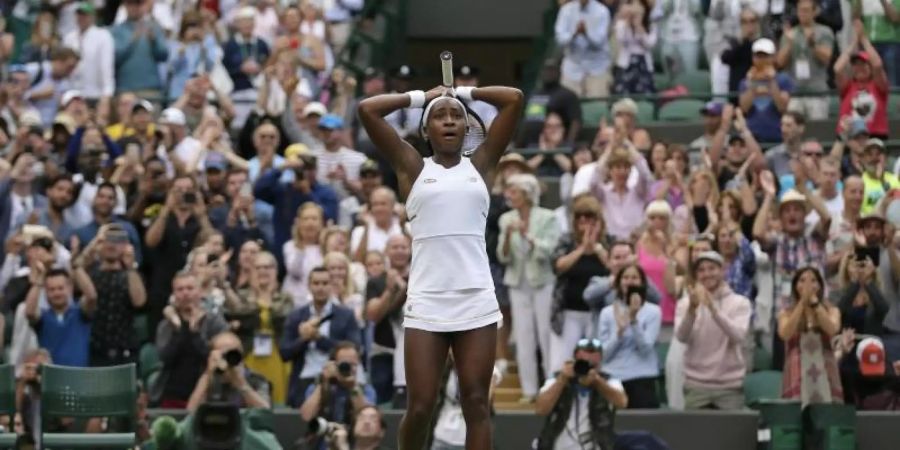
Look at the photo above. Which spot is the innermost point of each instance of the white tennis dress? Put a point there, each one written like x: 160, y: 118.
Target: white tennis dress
x: 450, y: 285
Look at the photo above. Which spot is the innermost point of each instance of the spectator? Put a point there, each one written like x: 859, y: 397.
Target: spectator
x: 579, y: 256
x: 669, y: 185
x: 806, y: 52
x: 307, y: 341
x: 449, y: 428
x: 876, y: 179
x: 192, y: 53
x: 243, y: 55
x: 878, y: 24
x: 779, y: 157
x: 843, y: 230
x: 266, y: 141
x: 111, y: 268
x: 102, y: 208
x: 18, y: 201
x: 655, y: 251
x: 339, y: 16
x: 44, y: 37
x: 354, y: 208
x: 243, y: 387
x: 338, y: 394
x: 182, y: 342
x: 807, y: 325
x: 628, y: 329
x: 582, y: 30
x: 140, y: 46
x: 600, y: 291
x: 385, y: 297
x: 712, y: 121
x: 764, y: 93
x: 697, y: 213
x: 636, y: 35
x: 303, y: 252
x: 624, y: 203
x: 680, y: 32
x: 344, y: 289
x: 64, y: 329
x: 864, y: 92
x: 242, y: 274
x: 828, y: 183
x: 862, y: 303
x: 714, y: 336
x: 378, y: 222
x: 135, y: 119
x: 17, y: 106
x: 468, y: 76
x: 552, y: 96
x: 60, y: 193
x: 738, y: 257
x: 95, y: 74
x: 337, y: 165
x: 729, y: 53
x: 48, y: 81
x: 367, y: 433
x: 528, y: 236
x: 594, y: 393
x: 169, y: 239
x: 551, y: 140
x: 246, y: 218
x: 311, y: 19
x: 257, y: 318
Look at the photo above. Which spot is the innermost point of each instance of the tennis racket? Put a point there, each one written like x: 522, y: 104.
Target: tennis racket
x: 475, y: 129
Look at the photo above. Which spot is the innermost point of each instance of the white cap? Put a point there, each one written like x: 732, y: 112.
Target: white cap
x: 315, y: 108
x: 70, y: 95
x: 172, y: 116
x: 246, y: 12
x: 764, y: 45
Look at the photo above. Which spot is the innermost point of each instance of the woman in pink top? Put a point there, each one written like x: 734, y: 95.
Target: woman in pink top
x: 654, y: 255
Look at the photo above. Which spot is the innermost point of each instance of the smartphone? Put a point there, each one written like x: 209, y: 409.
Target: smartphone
x: 873, y: 253
x: 189, y: 197
x: 246, y: 190
x: 701, y: 217
x: 631, y: 291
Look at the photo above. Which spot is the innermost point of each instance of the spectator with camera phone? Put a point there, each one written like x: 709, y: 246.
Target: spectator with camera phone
x: 245, y: 388
x: 598, y: 397
x: 103, y: 204
x: 600, y: 291
x: 64, y: 328
x: 628, y: 331
x: 338, y: 394
x: 182, y: 341
x: 311, y: 333
x: 713, y: 325
x: 108, y: 263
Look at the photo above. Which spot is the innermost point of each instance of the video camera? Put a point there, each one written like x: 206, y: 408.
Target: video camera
x: 217, y: 423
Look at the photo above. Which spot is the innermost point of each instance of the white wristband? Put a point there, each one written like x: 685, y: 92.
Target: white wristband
x: 464, y: 92
x: 416, y: 99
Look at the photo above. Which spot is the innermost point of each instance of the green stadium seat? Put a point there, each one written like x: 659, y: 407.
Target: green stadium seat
x: 697, y: 82
x: 681, y: 110
x: 8, y: 403
x: 834, y: 106
x: 88, y: 392
x: 141, y: 328
x: 764, y: 385
x: 592, y: 111
x: 148, y: 361
x: 646, y: 111
x: 784, y: 420
x: 762, y: 359
x: 662, y: 81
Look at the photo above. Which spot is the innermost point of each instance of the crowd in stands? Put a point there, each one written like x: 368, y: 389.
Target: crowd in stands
x: 197, y: 171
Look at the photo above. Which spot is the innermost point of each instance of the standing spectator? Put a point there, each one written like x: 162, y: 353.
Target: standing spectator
x: 385, y: 297
x: 353, y: 208
x: 244, y: 56
x: 49, y: 80
x: 779, y: 157
x: 140, y: 46
x: 624, y: 203
x: 60, y: 192
x: 876, y: 179
x: 714, y: 336
x: 135, y: 118
x: 468, y: 76
x: 17, y: 198
x: 712, y: 121
x: 600, y: 291
x: 764, y: 93
x: 170, y: 238
x: 337, y: 166
x: 344, y: 288
x: 553, y: 96
x: 303, y: 252
x: 258, y: 319
x: 339, y: 17
x: 579, y: 255
x: 64, y: 329
x: 307, y: 341
x: 864, y: 92
x: 182, y: 340
x: 192, y: 53
x: 102, y: 208
x: 862, y: 302
x: 680, y: 33
x: 806, y: 53
x: 737, y: 254
x: 807, y: 326
x: 378, y: 223
x: 628, y: 329
x: 111, y: 268
x: 719, y: 28
x: 636, y: 36
x: 44, y: 37
x: 582, y: 30
x: 655, y: 250
x: 552, y: 139
x: 738, y: 54
x: 879, y: 25
x: 95, y: 74
x: 311, y: 19
x: 528, y: 235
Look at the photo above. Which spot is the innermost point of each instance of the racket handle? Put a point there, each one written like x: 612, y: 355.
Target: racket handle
x: 447, y: 68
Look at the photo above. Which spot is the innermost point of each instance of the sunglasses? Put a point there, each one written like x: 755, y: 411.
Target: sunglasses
x: 588, y: 344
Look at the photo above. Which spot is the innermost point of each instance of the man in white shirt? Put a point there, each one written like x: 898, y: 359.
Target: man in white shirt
x: 378, y: 224
x: 337, y: 165
x: 582, y: 32
x: 339, y: 16
x: 95, y: 73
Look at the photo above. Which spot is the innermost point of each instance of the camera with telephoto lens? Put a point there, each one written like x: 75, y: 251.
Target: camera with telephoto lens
x: 582, y: 367
x: 345, y: 369
x: 320, y: 427
x: 217, y: 422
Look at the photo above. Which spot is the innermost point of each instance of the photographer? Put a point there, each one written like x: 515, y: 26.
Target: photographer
x: 368, y: 431
x: 242, y: 386
x: 338, y: 394
x: 594, y: 415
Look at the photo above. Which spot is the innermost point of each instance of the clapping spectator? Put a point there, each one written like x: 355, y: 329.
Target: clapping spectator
x: 861, y: 302
x: 378, y: 222
x: 764, y: 93
x: 244, y: 56
x: 806, y: 53
x: 624, y: 202
x: 64, y: 328
x: 680, y: 32
x: 95, y: 74
x: 552, y: 139
x: 44, y: 37
x: 738, y: 256
x: 242, y: 273
x: 582, y: 30
x: 738, y: 54
x: 140, y: 46
x: 303, y: 252
x: 636, y: 35
x: 655, y: 251
x: 48, y: 80
x: 864, y: 91
x: 344, y: 289
x: 194, y: 52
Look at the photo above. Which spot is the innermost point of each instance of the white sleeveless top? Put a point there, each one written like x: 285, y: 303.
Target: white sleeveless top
x: 450, y: 276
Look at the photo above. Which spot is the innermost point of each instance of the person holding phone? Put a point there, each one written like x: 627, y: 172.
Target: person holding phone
x: 628, y: 329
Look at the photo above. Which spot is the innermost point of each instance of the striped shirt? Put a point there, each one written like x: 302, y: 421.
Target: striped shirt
x: 328, y: 161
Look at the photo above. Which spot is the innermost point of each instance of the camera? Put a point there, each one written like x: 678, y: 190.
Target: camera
x: 582, y: 367
x: 320, y: 427
x: 345, y: 369
x: 189, y: 198
x: 217, y: 422
x: 233, y: 357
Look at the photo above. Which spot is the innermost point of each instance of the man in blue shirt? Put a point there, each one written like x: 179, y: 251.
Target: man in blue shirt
x: 102, y: 207
x: 338, y: 387
x: 64, y: 328
x: 765, y: 93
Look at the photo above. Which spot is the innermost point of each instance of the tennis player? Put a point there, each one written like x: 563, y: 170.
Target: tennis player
x: 450, y: 298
